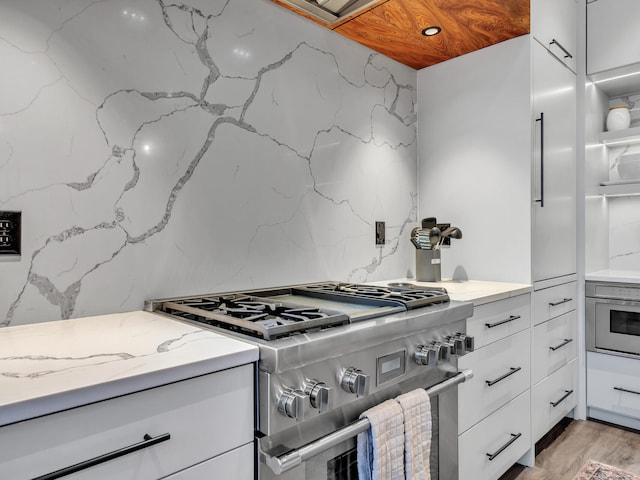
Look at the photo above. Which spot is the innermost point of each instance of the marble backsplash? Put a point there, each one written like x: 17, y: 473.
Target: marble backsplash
x: 624, y: 233
x: 624, y: 212
x: 161, y: 149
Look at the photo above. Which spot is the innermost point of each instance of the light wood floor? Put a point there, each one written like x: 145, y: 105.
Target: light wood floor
x: 581, y: 441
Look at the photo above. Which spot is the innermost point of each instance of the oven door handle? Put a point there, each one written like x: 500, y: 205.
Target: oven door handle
x: 285, y: 462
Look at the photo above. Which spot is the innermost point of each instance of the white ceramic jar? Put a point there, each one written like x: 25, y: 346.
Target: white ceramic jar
x: 618, y: 118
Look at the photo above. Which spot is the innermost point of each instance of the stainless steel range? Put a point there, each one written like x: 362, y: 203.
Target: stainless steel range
x: 328, y: 352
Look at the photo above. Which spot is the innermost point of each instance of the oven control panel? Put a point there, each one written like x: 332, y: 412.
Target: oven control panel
x: 390, y: 366
x: 290, y: 397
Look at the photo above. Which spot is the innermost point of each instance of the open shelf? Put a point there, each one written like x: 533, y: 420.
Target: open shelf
x: 620, y: 137
x: 620, y: 188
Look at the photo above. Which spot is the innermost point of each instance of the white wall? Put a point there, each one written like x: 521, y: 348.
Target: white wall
x: 472, y: 157
x: 162, y: 149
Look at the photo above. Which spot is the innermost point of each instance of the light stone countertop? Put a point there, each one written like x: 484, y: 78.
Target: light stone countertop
x: 619, y: 276
x: 54, y: 366
x: 477, y: 291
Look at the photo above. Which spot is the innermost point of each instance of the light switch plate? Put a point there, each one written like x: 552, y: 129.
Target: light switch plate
x: 380, y: 233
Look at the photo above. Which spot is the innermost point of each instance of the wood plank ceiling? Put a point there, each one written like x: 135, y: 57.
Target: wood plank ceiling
x: 394, y: 27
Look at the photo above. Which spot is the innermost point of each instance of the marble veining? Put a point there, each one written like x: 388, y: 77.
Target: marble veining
x: 90, y: 359
x: 160, y: 149
x: 624, y: 234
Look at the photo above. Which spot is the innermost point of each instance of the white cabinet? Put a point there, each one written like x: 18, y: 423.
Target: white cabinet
x: 613, y: 389
x: 554, y: 345
x: 485, y: 157
x: 553, y: 24
x: 192, y: 421
x: 612, y: 34
x: 490, y: 448
x: 554, y: 166
x: 553, y: 398
x: 501, y: 371
x: 496, y: 320
x: 494, y: 405
x: 236, y: 464
x: 551, y: 302
x: 555, y: 369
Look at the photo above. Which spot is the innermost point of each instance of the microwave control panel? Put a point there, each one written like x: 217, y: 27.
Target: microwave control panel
x: 614, y: 291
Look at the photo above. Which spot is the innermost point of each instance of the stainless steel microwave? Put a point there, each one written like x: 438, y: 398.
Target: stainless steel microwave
x: 613, y: 318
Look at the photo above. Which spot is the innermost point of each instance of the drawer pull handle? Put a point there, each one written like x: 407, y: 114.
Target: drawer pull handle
x: 564, y: 300
x: 501, y: 322
x: 620, y: 389
x: 566, y: 342
x: 566, y: 394
x: 514, y: 437
x: 511, y: 371
x: 147, y: 442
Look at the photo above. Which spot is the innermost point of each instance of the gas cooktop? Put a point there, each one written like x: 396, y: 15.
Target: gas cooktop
x: 285, y: 311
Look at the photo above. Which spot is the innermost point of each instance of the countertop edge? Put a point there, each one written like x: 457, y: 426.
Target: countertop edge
x: 613, y: 276
x: 58, y: 402
x: 478, y: 292
x: 502, y: 296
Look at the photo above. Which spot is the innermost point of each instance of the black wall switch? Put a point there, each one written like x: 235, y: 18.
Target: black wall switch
x: 380, y: 233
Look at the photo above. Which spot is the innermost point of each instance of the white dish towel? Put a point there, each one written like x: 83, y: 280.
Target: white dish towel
x: 381, y: 447
x: 416, y: 407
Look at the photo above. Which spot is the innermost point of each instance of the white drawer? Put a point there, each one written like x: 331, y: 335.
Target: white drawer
x: 236, y: 464
x: 552, y: 302
x: 613, y: 384
x: 554, y: 345
x: 204, y: 416
x: 496, y: 320
x: 489, y: 436
x: 495, y: 380
x: 553, y: 398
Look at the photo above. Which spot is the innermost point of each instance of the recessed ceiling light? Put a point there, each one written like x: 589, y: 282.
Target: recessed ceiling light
x: 431, y: 31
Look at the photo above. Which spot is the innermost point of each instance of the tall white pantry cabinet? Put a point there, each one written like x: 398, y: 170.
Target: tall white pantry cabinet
x: 497, y: 157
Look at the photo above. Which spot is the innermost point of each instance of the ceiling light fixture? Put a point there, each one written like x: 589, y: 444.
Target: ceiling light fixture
x: 431, y: 31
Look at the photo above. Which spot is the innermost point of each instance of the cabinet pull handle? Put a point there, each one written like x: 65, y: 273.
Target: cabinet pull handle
x: 147, y: 442
x: 566, y: 52
x: 511, y: 371
x: 564, y: 300
x: 620, y: 389
x: 514, y: 437
x: 566, y: 394
x: 501, y: 322
x: 541, y: 120
x: 566, y: 341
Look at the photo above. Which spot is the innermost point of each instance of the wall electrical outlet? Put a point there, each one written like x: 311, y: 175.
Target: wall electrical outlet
x: 381, y: 236
x: 10, y: 232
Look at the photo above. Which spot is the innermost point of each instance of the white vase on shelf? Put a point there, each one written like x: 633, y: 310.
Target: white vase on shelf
x: 618, y: 118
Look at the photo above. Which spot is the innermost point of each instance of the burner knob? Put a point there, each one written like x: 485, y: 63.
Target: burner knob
x: 469, y: 343
x: 445, y: 352
x: 428, y: 354
x: 292, y: 404
x: 355, y: 381
x: 319, y: 395
x: 461, y: 344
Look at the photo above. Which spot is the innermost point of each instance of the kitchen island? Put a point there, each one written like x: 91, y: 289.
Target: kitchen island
x: 178, y: 399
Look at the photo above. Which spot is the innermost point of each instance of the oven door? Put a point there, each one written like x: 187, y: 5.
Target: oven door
x: 340, y: 462
x: 613, y: 326
x: 337, y: 463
